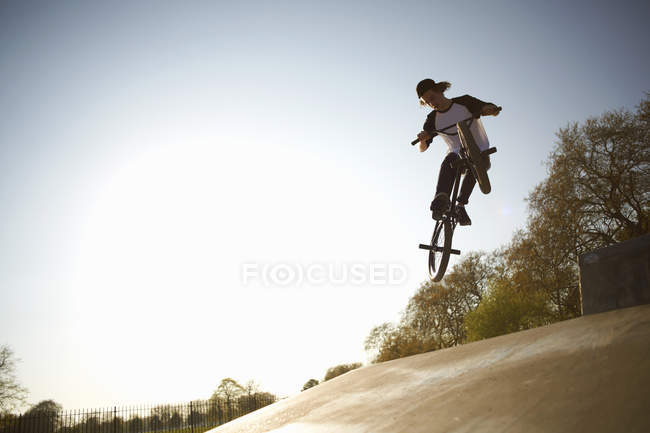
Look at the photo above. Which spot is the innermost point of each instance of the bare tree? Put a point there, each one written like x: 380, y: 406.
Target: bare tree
x: 12, y: 394
x: 251, y: 388
x: 228, y: 390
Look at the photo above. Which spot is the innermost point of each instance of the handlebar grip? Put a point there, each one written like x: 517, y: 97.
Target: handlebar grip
x: 414, y: 142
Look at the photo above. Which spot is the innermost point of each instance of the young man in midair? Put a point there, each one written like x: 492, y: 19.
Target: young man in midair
x: 446, y: 112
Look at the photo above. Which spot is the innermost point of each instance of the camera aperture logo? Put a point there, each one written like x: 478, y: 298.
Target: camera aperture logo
x: 287, y: 274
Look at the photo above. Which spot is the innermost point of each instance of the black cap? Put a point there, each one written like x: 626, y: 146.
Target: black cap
x: 425, y: 85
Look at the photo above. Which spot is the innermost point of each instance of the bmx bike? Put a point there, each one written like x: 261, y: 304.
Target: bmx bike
x: 478, y: 162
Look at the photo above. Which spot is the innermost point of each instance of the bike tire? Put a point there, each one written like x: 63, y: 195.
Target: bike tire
x: 477, y: 160
x: 441, y: 239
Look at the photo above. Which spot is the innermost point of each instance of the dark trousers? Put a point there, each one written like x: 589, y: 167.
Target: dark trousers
x: 448, y: 174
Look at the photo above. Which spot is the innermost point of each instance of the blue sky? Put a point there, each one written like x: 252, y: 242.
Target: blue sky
x: 148, y: 150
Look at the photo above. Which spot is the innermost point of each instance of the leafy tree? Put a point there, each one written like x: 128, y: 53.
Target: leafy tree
x: 506, y: 309
x: 43, y: 417
x: 309, y: 384
x: 535, y: 264
x: 599, y: 172
x: 154, y: 422
x: 597, y: 193
x: 435, y: 314
x: 119, y: 425
x: 12, y: 394
x: 339, y: 370
x: 378, y: 339
x: 8, y: 422
x: 437, y: 310
x: 112, y: 425
x: 163, y: 413
x: 198, y: 416
x: 91, y: 424
x: 45, y: 407
x: 250, y: 402
x: 388, y: 341
x: 176, y: 419
x: 377, y: 336
x: 471, y: 276
x: 135, y: 425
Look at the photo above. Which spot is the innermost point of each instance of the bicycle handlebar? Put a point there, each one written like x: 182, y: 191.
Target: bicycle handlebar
x: 440, y: 131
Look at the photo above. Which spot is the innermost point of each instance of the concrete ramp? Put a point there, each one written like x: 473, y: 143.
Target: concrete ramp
x: 590, y: 374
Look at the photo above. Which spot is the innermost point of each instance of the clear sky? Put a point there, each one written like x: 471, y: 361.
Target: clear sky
x: 152, y: 153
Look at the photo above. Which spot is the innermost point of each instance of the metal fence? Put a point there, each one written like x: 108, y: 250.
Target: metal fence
x: 193, y: 417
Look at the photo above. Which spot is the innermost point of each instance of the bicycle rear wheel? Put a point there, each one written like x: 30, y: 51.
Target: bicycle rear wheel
x: 478, y: 162
x: 440, y: 249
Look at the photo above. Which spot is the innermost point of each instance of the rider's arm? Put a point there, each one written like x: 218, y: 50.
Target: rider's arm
x: 428, y: 132
x: 423, y: 145
x: 476, y: 106
x: 425, y: 140
x: 490, y: 110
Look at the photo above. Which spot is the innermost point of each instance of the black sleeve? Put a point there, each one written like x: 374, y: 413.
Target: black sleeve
x: 430, y: 126
x: 474, y: 105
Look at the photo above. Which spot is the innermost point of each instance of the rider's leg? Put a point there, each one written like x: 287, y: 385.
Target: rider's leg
x: 447, y: 174
x: 446, y: 178
x: 469, y: 181
x: 466, y: 188
x: 465, y: 191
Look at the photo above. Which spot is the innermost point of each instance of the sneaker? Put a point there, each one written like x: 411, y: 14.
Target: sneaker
x: 439, y: 205
x: 463, y: 218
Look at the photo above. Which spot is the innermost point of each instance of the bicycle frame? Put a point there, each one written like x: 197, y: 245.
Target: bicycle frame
x: 461, y: 165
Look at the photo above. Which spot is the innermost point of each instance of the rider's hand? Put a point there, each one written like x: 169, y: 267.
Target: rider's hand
x: 491, y: 110
x: 424, y: 136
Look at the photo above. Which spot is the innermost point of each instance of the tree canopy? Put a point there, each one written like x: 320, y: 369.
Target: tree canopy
x: 309, y: 384
x: 340, y: 369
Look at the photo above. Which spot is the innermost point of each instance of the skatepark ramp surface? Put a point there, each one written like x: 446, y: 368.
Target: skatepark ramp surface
x: 590, y: 374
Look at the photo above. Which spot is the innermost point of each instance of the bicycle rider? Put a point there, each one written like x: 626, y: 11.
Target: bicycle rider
x: 446, y: 112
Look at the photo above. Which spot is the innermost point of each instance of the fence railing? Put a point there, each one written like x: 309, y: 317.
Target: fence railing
x: 194, y: 417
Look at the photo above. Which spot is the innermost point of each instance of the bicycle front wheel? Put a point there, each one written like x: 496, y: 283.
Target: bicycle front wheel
x: 440, y: 249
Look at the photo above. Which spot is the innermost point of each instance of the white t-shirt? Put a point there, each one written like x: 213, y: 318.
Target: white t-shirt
x: 455, y: 113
